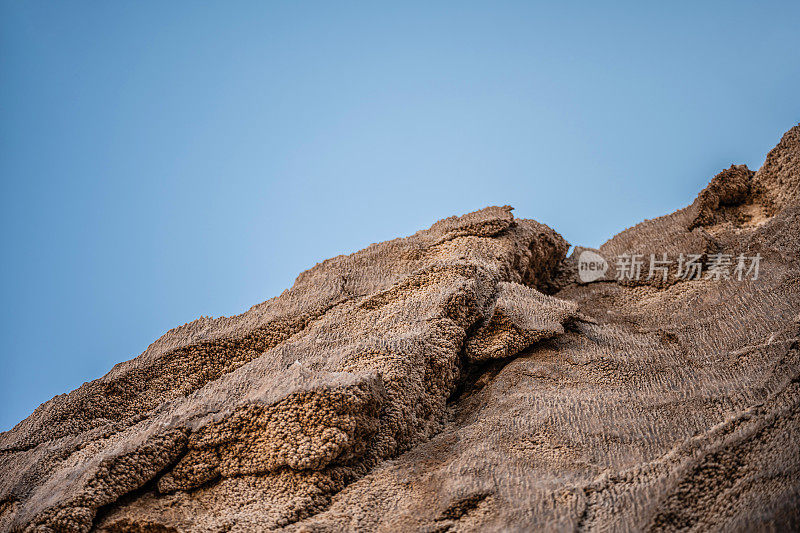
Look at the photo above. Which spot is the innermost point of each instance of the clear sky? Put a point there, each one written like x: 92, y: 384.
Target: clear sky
x: 166, y: 160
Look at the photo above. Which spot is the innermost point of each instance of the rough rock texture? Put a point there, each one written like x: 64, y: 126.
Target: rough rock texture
x: 458, y: 379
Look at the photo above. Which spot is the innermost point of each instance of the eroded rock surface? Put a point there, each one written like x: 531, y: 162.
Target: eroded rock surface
x: 460, y: 379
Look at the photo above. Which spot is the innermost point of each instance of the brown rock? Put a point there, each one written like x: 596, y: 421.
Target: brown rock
x: 458, y: 379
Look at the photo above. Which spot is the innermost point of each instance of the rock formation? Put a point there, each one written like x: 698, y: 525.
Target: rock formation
x: 460, y: 379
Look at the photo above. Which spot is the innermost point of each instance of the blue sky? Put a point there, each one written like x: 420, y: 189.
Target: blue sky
x: 166, y: 160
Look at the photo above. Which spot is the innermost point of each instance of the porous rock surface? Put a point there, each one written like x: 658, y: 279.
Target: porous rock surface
x: 460, y: 379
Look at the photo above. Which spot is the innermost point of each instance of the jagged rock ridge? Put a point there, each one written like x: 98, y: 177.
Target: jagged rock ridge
x: 462, y: 378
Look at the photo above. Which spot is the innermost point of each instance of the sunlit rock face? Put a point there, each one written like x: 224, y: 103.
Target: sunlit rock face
x: 461, y: 379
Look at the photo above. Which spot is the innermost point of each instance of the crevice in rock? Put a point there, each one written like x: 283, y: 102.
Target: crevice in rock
x: 149, y: 486
x: 463, y: 506
x: 476, y: 376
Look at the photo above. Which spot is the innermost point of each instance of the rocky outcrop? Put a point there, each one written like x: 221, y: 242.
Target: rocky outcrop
x: 459, y: 379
